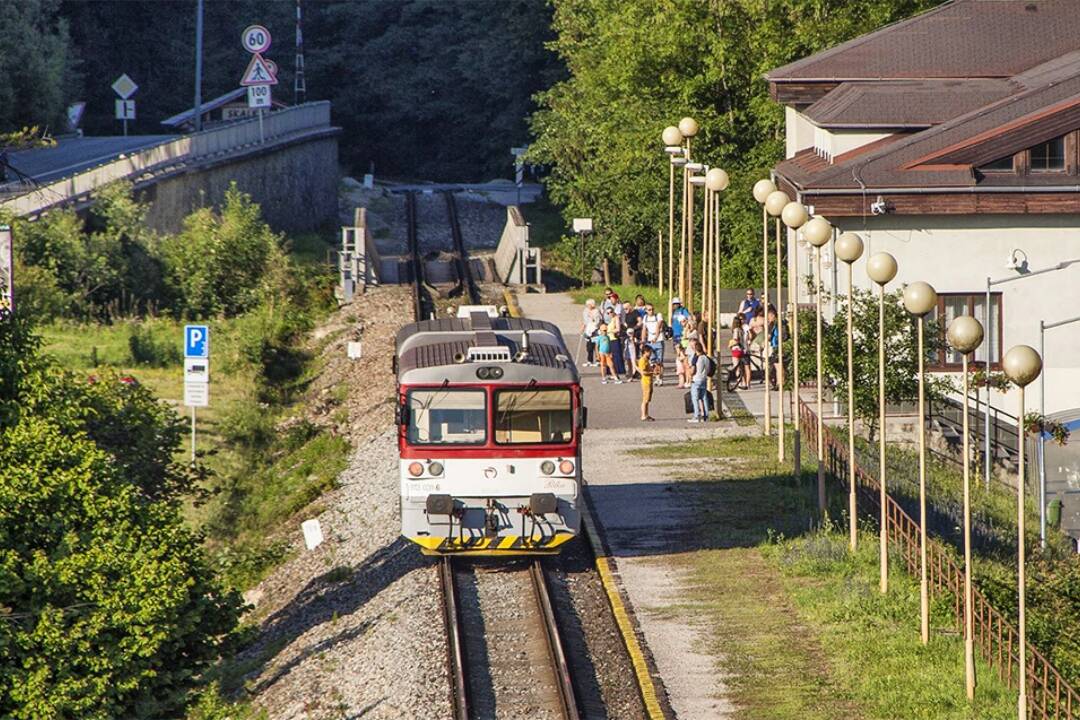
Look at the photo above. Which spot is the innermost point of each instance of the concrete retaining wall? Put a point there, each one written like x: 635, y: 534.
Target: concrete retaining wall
x: 297, y: 187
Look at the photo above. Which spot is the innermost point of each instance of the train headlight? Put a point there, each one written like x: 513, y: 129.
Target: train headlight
x: 416, y: 469
x: 495, y: 373
x: 435, y: 468
x: 483, y: 373
x: 566, y: 467
x: 547, y: 467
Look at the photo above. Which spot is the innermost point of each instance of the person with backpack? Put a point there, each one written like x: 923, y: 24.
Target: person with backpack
x: 704, y: 367
x: 653, y: 329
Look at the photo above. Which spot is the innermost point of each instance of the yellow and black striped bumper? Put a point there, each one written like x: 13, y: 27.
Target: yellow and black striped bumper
x: 500, y: 545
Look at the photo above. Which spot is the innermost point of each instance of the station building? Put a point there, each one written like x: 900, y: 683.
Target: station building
x: 952, y: 141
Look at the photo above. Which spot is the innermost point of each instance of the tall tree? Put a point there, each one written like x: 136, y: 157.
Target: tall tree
x: 36, y: 72
x: 637, y: 67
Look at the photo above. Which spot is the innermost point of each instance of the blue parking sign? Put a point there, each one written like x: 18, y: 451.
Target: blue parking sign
x: 196, y: 341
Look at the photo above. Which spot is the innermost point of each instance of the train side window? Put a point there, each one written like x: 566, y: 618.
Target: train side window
x: 540, y: 416
x: 447, y: 417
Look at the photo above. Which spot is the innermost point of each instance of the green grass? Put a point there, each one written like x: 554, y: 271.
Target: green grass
x: 798, y: 626
x: 261, y: 477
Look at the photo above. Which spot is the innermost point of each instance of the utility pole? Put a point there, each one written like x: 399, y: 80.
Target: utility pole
x: 299, y: 84
x: 198, y: 65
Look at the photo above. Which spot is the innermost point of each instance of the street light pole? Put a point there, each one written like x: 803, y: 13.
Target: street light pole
x: 965, y: 334
x: 989, y: 347
x: 198, y: 66
x: 818, y: 232
x: 849, y: 248
x: 1043, y: 327
x: 1022, y: 364
x: 919, y: 299
x: 688, y: 126
x: 793, y: 216
x: 673, y: 140
x: 881, y: 267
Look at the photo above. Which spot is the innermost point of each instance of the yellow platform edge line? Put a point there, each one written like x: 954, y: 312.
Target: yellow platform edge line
x: 512, y: 303
x: 622, y: 619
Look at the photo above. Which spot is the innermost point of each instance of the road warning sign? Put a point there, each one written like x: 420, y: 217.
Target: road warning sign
x: 258, y: 72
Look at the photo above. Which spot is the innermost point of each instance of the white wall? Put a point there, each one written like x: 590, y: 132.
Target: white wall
x: 799, y: 132
x: 957, y: 253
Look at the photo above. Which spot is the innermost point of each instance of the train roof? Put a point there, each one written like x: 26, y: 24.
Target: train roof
x: 452, y: 349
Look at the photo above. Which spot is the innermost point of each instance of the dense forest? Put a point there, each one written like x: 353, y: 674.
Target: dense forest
x: 423, y: 88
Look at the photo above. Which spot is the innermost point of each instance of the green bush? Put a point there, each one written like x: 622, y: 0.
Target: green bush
x: 219, y: 263
x: 149, y: 345
x: 112, y: 608
x: 37, y: 296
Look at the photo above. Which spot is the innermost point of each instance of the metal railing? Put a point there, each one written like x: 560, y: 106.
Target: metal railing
x: 997, y: 640
x: 172, y: 153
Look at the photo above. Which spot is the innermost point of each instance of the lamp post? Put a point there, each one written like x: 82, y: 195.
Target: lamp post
x: 763, y: 191
x: 716, y: 181
x: 695, y: 182
x: 794, y: 216
x: 919, y: 299
x: 818, y: 226
x: 673, y: 140
x: 990, y: 336
x: 881, y: 267
x: 818, y: 235
x: 688, y: 127
x: 1022, y: 365
x: 774, y: 205
x: 1043, y: 327
x: 849, y: 248
x: 965, y: 334
x: 706, y: 219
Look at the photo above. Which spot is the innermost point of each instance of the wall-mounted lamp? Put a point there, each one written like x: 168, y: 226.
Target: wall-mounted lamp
x: 1015, y: 263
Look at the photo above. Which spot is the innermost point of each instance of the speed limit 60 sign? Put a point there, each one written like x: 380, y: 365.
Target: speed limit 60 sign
x: 258, y: 96
x: 256, y: 39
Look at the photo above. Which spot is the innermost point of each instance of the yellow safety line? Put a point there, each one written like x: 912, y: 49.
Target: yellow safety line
x: 622, y: 619
x: 512, y: 303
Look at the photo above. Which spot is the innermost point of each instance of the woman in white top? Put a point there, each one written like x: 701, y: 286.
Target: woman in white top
x: 590, y: 323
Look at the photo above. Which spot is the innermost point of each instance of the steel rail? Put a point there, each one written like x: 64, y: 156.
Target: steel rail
x: 560, y: 667
x: 455, y: 655
x: 461, y: 256
x: 422, y: 306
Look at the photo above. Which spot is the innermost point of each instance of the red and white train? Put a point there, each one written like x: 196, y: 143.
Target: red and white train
x: 489, y: 419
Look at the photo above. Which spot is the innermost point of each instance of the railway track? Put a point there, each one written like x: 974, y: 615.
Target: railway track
x: 466, y: 282
x: 505, y: 650
x: 423, y: 305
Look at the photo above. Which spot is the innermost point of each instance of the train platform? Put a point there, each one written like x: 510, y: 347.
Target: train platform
x: 646, y: 515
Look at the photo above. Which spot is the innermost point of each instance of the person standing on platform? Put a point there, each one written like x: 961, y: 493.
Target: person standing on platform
x: 653, y: 330
x: 648, y: 370
x: 590, y: 323
x: 615, y: 332
x: 680, y: 318
x: 631, y: 342
x: 699, y: 383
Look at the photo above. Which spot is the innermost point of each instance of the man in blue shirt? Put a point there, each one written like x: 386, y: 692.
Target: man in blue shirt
x: 749, y: 307
x: 680, y: 316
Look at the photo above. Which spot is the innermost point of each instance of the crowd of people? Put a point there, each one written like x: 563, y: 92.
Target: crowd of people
x: 628, y: 340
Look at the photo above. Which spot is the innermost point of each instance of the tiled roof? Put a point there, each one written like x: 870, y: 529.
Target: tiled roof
x: 959, y: 39
x: 904, y: 103
x: 927, y: 158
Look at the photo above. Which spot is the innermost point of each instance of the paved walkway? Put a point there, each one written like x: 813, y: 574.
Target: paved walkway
x: 647, y: 516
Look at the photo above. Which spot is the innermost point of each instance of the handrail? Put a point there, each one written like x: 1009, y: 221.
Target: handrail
x: 169, y: 154
x: 1049, y: 694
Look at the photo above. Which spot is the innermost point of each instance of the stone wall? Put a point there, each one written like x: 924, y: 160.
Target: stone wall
x: 297, y: 187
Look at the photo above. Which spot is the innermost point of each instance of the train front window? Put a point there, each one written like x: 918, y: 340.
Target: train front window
x: 447, y: 417
x: 533, y: 416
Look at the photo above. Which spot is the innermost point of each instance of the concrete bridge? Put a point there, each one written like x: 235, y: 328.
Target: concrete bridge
x: 288, y: 163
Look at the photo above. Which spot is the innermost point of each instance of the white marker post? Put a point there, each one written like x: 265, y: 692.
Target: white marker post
x: 196, y: 372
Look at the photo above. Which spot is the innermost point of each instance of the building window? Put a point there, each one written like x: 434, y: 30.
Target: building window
x: 1049, y: 156
x: 952, y: 305
x: 1005, y: 164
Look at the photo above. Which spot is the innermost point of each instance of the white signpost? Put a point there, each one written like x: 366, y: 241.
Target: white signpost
x: 7, y: 274
x: 261, y: 73
x: 196, y: 372
x: 125, y: 87
x: 583, y: 227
